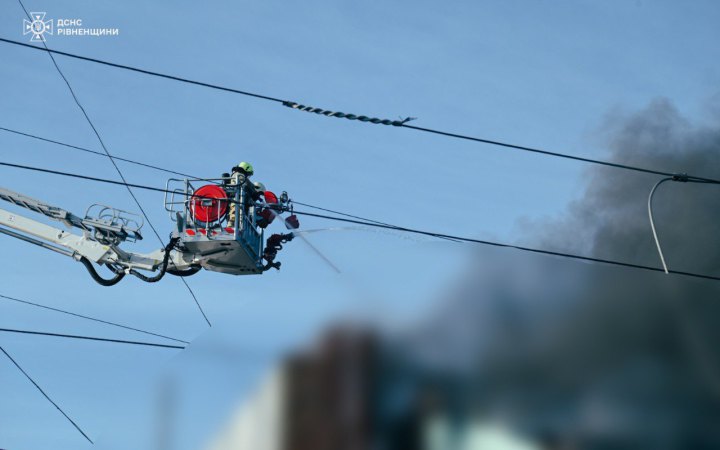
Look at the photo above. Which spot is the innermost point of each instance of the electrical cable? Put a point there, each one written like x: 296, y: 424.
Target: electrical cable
x: 180, y: 273
x: 555, y: 154
x: 397, y: 228
x: 353, y: 216
x: 289, y: 236
x: 87, y: 150
x: 517, y: 247
x: 92, y: 338
x: 682, y: 178
x: 143, y: 71
x: 94, y: 319
x: 122, y: 177
x: 193, y: 177
x: 652, y: 222
x: 47, y: 397
x: 398, y: 123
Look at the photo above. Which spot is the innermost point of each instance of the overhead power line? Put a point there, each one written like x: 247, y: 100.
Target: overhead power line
x: 87, y: 150
x: 352, y: 216
x: 194, y: 177
x: 92, y: 338
x: 397, y: 228
x: 107, y: 152
x: 517, y: 247
x: 555, y: 154
x: 144, y: 71
x: 47, y: 397
x: 403, y: 123
x: 106, y: 322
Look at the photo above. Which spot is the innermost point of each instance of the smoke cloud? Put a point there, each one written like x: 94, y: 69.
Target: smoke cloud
x: 582, y: 355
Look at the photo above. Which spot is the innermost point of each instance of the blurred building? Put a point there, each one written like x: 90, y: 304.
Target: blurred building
x: 346, y: 393
x: 318, y: 399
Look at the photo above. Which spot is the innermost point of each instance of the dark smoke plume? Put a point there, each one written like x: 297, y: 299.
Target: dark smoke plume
x: 583, y: 355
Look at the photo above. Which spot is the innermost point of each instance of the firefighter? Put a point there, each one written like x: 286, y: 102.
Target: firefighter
x: 240, y: 174
x: 263, y: 215
x: 259, y: 190
x: 259, y: 187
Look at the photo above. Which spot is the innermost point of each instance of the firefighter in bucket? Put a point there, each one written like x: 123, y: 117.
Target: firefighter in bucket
x: 216, y: 204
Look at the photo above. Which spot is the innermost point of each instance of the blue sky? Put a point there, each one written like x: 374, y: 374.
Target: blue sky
x: 535, y: 73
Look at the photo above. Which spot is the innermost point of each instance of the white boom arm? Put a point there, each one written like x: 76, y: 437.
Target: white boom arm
x: 65, y: 243
x: 76, y: 246
x: 98, y: 242
x: 232, y: 247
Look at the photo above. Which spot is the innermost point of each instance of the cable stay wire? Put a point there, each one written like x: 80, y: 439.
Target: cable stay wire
x: 397, y: 123
x: 94, y: 319
x: 47, y: 397
x: 117, y: 168
x: 92, y: 338
x: 395, y: 227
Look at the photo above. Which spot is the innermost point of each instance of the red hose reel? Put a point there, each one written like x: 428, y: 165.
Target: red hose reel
x: 208, y: 204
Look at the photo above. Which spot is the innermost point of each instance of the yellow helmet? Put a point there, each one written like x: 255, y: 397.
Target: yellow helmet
x: 245, y: 167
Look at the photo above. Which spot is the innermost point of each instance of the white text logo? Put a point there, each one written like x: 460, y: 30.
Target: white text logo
x: 38, y: 27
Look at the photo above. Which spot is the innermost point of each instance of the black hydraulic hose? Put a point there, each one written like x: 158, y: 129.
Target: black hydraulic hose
x: 163, y: 267
x: 184, y: 273
x: 119, y: 275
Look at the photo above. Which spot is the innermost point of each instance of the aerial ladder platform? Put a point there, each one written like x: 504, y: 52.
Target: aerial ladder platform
x: 216, y: 229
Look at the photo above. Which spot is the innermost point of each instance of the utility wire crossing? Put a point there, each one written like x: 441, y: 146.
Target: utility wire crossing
x: 397, y: 123
x: 393, y: 227
x: 403, y: 123
x: 678, y: 177
x: 107, y: 153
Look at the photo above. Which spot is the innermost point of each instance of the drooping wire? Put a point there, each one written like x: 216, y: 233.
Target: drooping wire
x: 91, y: 338
x: 652, y: 222
x: 324, y: 112
x: 106, y: 322
x: 107, y: 152
x: 682, y: 178
x: 47, y: 397
x: 395, y: 227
